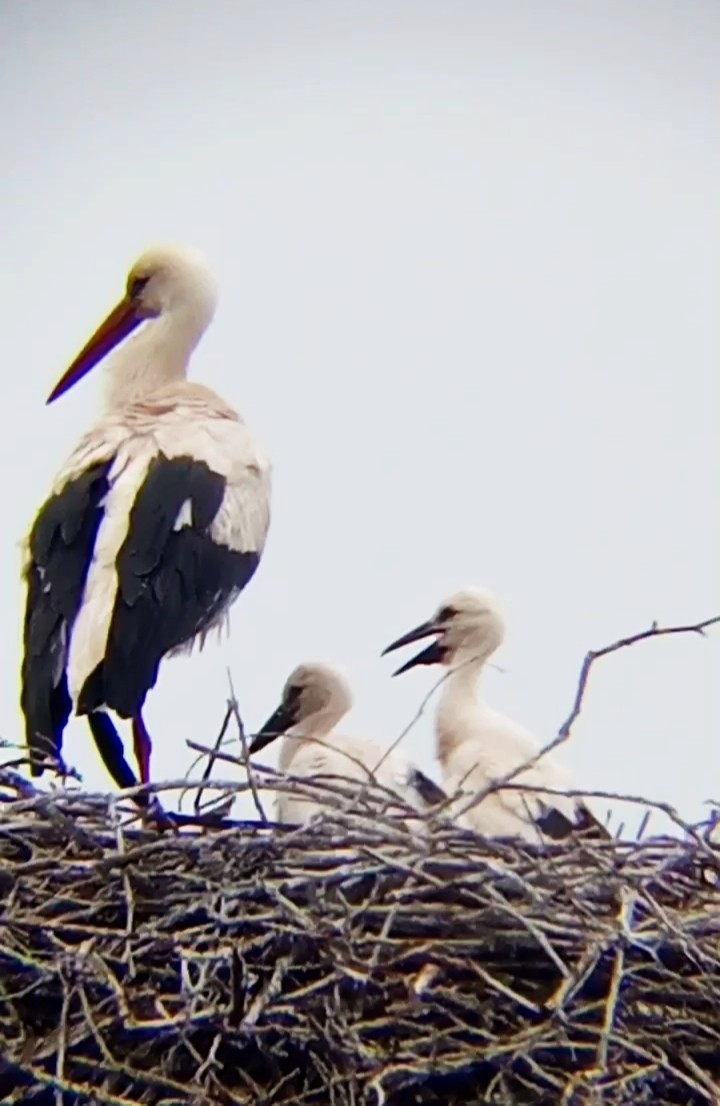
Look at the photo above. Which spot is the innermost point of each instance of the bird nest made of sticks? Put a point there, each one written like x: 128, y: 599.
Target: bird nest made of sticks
x: 362, y: 960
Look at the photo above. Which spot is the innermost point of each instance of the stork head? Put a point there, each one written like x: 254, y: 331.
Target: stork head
x: 169, y: 281
x: 311, y: 691
x: 168, y: 278
x: 468, y: 627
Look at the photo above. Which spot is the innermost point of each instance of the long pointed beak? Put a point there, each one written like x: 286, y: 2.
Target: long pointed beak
x: 276, y: 725
x: 121, y: 321
x: 432, y: 654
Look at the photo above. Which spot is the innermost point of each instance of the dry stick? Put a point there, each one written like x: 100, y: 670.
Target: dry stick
x: 209, y: 1059
x: 623, y: 643
x: 127, y: 887
x: 62, y: 1040
x: 625, y: 911
x: 46, y: 802
x: 564, y: 732
x: 418, y: 715
x: 10, y: 778
x: 79, y: 1090
x: 643, y: 824
x: 212, y: 756
x: 95, y: 804
x: 235, y: 709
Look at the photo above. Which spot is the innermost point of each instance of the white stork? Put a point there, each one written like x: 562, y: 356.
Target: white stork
x: 153, y: 526
x: 476, y: 745
x: 314, y: 700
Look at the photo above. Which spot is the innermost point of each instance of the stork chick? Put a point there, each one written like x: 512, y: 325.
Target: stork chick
x: 477, y: 746
x: 314, y: 700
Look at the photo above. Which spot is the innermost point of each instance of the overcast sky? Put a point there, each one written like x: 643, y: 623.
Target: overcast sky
x: 469, y: 266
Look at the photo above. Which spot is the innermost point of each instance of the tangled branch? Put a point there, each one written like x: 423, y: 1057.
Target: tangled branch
x: 386, y: 962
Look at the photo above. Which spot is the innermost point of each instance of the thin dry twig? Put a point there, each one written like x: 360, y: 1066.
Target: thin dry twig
x: 234, y: 707
x: 212, y: 757
x: 594, y: 655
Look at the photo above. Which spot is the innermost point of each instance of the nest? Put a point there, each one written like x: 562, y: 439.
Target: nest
x: 364, y: 960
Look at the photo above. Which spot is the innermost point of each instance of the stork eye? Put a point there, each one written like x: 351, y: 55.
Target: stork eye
x: 136, y: 285
x: 445, y: 614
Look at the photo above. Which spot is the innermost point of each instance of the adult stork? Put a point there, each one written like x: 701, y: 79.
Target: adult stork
x: 314, y: 700
x: 476, y: 745
x: 153, y: 526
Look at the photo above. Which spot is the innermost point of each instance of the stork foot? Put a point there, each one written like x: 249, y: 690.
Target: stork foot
x: 155, y: 815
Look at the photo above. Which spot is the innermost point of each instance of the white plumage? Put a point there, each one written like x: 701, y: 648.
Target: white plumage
x: 154, y: 525
x: 314, y: 700
x: 476, y: 745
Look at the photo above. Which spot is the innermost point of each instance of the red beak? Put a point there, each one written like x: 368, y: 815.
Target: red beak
x: 121, y: 321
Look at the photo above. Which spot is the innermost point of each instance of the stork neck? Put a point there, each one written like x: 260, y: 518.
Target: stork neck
x: 459, y: 704
x: 155, y: 355
x: 463, y: 679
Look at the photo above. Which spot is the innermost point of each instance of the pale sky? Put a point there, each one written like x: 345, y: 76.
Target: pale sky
x: 469, y: 266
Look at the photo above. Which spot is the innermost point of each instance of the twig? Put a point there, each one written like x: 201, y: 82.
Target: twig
x: 622, y: 643
x: 213, y: 756
x: 235, y: 709
x: 62, y: 1040
x: 625, y: 911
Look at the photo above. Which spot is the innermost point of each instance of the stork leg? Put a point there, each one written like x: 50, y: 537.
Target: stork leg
x: 110, y: 748
x: 143, y: 747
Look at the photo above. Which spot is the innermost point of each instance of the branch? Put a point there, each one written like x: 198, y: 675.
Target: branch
x: 622, y: 643
x: 254, y: 790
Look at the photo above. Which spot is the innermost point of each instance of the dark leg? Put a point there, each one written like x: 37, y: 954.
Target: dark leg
x: 143, y: 747
x: 110, y: 748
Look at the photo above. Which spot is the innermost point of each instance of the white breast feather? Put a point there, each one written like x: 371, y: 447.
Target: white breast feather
x: 497, y: 746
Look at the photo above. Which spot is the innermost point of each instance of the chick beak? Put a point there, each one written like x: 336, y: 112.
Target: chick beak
x: 432, y: 654
x: 277, y: 724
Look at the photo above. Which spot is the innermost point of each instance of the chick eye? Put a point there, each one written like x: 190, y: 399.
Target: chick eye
x: 136, y: 285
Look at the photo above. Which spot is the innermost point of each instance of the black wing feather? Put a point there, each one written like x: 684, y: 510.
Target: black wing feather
x: 172, y: 583
x: 558, y: 826
x: 427, y: 789
x: 61, y: 546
